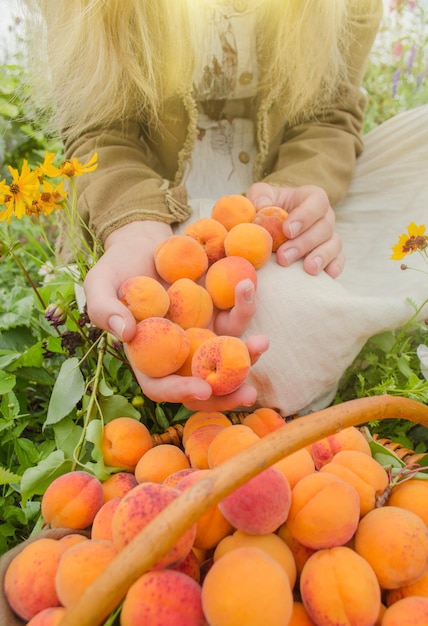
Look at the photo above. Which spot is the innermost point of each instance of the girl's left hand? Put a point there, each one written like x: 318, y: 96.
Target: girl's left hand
x: 309, y: 226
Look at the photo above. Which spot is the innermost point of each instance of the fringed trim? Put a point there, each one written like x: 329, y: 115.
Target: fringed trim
x: 185, y: 153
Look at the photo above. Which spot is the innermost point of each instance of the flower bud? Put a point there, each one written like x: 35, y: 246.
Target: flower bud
x: 55, y: 314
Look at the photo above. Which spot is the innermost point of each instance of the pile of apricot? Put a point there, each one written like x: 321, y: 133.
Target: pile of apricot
x: 199, y: 271
x: 303, y: 543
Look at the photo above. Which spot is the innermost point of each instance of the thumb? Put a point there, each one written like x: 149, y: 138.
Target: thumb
x: 262, y: 194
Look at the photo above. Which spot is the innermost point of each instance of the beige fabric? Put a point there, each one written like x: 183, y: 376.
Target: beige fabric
x: 318, y: 325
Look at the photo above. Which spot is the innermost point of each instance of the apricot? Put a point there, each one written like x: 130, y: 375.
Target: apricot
x: 210, y: 234
x: 140, y: 506
x: 361, y: 471
x: 395, y: 543
x: 203, y: 418
x: 324, y: 511
x: 196, y: 337
x: 198, y: 443
x: 190, y: 304
x: 224, y: 362
x: 229, y: 442
x: 300, y: 552
x: 411, y: 611
x: 118, y: 484
x: 249, y: 241
x: 72, y: 539
x: 300, y: 616
x: 272, y: 218
x: 80, y: 566
x: 144, y: 296
x: 163, y: 598
x: 212, y: 526
x: 247, y: 586
x: 223, y: 276
x: 260, y: 505
x: 411, y: 495
x: 189, y: 566
x: 48, y: 617
x: 337, y: 586
x: 175, y: 477
x: 270, y: 543
x: 101, y: 526
x: 180, y: 256
x: 350, y: 438
x: 160, y: 461
x: 29, y: 582
x: 233, y: 209
x: 418, y: 588
x: 159, y: 347
x: 296, y: 465
x: 124, y: 442
x: 264, y: 421
x: 72, y: 500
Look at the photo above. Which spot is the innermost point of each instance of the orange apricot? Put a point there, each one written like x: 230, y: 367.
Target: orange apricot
x: 124, y: 442
x: 72, y: 539
x: 144, y: 296
x: 350, y: 438
x: 190, y: 304
x: 189, y: 566
x: 212, y: 526
x: 224, y: 362
x: 324, y: 511
x: 180, y: 256
x: 223, y: 276
x: 203, y: 418
x: 395, y: 543
x: 29, y: 582
x: 300, y: 552
x: 196, y: 337
x: 296, y: 465
x: 210, y: 234
x: 300, y: 616
x: 118, y: 484
x: 272, y: 218
x: 48, y: 617
x: 411, y: 611
x: 260, y: 505
x: 417, y: 588
x: 198, y: 443
x: 338, y: 586
x: 172, y: 479
x: 247, y: 586
x: 80, y: 566
x: 411, y: 495
x: 72, y: 500
x: 160, y: 461
x: 249, y: 241
x: 101, y: 526
x: 270, y: 543
x: 264, y: 421
x: 229, y: 442
x: 232, y: 210
x: 139, y: 507
x: 159, y: 347
x: 163, y: 598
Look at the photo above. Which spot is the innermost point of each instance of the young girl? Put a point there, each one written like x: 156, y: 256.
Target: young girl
x: 190, y: 100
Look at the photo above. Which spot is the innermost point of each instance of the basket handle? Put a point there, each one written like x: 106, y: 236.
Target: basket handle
x: 161, y: 534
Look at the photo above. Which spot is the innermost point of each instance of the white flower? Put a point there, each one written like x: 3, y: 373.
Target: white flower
x: 422, y: 352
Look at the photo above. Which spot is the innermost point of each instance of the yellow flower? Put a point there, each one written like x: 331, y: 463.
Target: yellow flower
x: 47, y: 168
x: 52, y: 198
x: 7, y: 213
x: 23, y: 189
x: 75, y: 168
x: 415, y: 239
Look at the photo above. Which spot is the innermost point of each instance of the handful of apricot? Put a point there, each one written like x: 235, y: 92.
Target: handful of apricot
x: 200, y: 270
x: 300, y: 544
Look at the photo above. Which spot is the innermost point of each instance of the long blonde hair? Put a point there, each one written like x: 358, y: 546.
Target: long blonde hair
x: 94, y: 62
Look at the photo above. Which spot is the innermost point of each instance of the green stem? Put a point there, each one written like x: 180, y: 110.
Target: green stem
x: 92, y: 400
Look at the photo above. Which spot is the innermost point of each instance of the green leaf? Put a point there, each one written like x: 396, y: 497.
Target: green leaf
x: 36, y: 480
x: 7, y: 382
x: 67, y: 436
x: 68, y: 390
x: 161, y: 418
x: 116, y: 406
x: 7, y: 477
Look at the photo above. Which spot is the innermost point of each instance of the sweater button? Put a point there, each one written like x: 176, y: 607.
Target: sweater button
x: 246, y: 78
x: 240, y: 5
x: 244, y: 157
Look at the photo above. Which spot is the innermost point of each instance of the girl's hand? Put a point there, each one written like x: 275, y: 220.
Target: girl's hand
x: 309, y: 226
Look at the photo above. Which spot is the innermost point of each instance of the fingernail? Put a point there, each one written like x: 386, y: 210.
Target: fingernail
x: 117, y: 325
x: 318, y: 262
x: 295, y: 228
x: 249, y: 294
x: 291, y: 255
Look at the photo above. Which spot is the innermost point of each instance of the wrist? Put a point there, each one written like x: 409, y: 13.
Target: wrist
x: 149, y: 230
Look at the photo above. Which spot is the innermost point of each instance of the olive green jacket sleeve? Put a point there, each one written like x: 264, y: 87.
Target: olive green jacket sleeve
x: 324, y: 152
x: 124, y: 187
